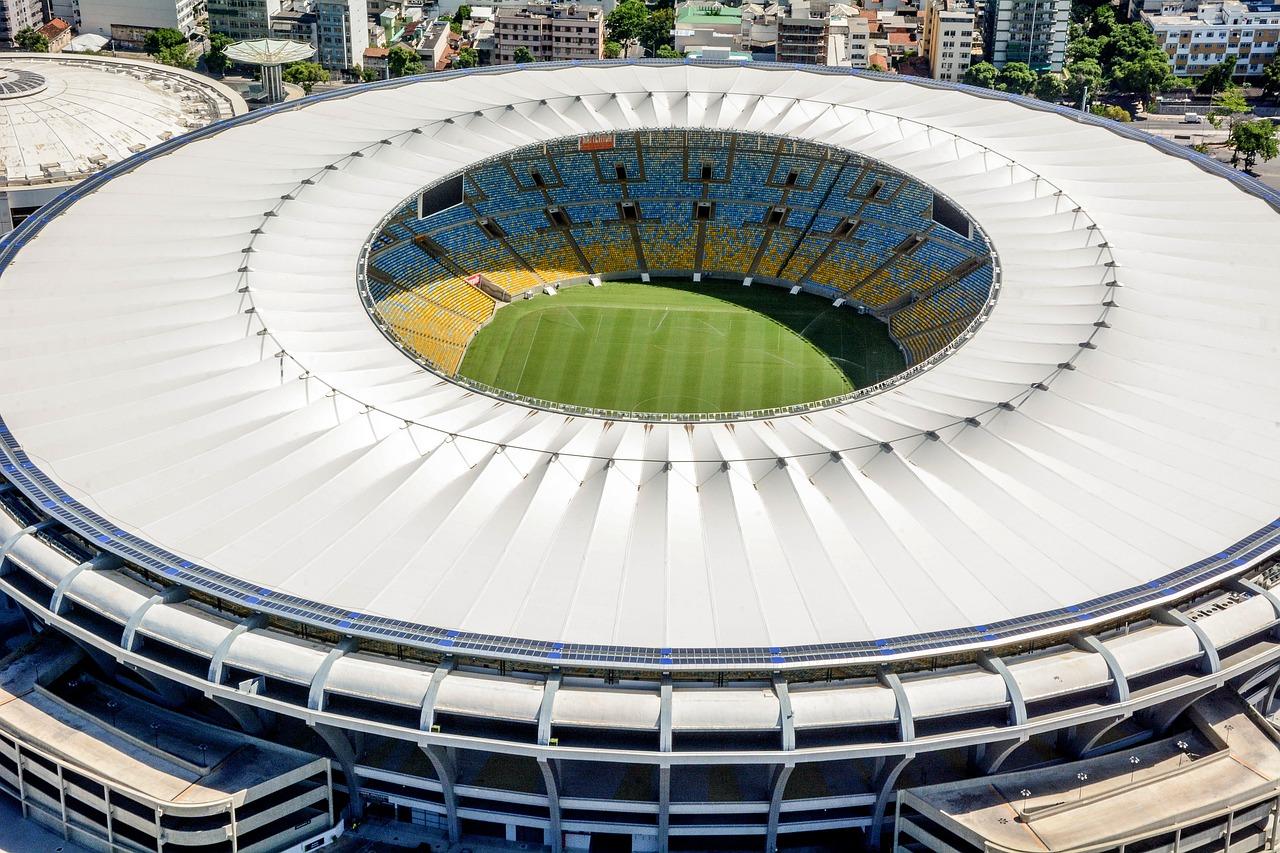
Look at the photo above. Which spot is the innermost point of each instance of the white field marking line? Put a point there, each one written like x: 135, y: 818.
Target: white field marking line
x: 532, y: 340
x: 665, y: 313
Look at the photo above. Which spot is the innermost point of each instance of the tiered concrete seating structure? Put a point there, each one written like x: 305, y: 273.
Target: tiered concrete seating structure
x: 678, y: 202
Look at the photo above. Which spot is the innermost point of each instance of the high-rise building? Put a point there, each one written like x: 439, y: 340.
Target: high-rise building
x: 821, y: 33
x: 550, y: 31
x: 342, y: 29
x: 243, y: 20
x: 1030, y: 31
x: 17, y: 15
x: 947, y: 38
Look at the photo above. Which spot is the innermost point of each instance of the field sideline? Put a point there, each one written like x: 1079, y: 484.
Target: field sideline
x: 669, y: 348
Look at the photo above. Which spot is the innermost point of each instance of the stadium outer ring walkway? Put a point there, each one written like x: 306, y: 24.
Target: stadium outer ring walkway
x: 1230, y: 642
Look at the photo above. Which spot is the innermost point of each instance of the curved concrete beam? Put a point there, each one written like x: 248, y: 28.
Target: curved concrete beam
x: 315, y: 690
x: 171, y: 595
x: 101, y: 563
x: 252, y: 623
x: 1017, y: 706
x: 906, y: 723
x: 1119, y: 681
x: 1210, y: 662
x: 427, y: 714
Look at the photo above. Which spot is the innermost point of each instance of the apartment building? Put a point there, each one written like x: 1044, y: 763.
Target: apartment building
x: 948, y: 31
x: 17, y: 15
x: 550, y: 31
x: 814, y: 32
x: 1197, y: 41
x: 1030, y: 31
x: 240, y: 19
x: 342, y: 33
x: 726, y: 28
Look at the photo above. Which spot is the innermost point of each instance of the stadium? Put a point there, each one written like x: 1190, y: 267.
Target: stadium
x: 647, y: 456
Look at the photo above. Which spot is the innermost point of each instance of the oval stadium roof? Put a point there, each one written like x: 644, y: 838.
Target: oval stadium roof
x: 65, y: 116
x: 199, y: 385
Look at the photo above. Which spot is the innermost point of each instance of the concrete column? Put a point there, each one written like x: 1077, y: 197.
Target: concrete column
x: 551, y: 779
x: 882, y: 798
x: 343, y: 750
x: 780, y: 777
x: 447, y: 772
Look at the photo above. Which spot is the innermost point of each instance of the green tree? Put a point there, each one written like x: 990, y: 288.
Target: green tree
x: 657, y: 30
x: 178, y: 56
x: 612, y: 50
x: 468, y: 57
x: 981, y: 74
x: 1016, y: 77
x: 1144, y: 75
x: 215, y: 58
x: 1112, y: 112
x: 305, y: 74
x: 31, y: 41
x: 364, y: 75
x: 666, y: 51
x: 626, y: 21
x: 1218, y: 77
x: 1084, y: 77
x: 1229, y: 103
x: 1126, y: 43
x: 1271, y: 79
x: 1251, y: 140
x: 1084, y: 48
x: 1102, y: 22
x: 461, y: 15
x: 403, y: 61
x: 1050, y: 87
x: 158, y: 40
x: 522, y: 55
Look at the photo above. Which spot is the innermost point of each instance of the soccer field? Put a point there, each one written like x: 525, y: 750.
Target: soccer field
x: 679, y: 347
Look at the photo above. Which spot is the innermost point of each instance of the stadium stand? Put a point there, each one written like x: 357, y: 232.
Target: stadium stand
x: 678, y: 202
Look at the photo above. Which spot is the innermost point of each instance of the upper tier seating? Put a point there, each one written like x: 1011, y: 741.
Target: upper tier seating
x: 823, y: 218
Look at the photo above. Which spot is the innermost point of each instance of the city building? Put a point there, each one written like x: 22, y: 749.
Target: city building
x: 432, y: 41
x: 1040, y: 562
x: 551, y: 31
x: 50, y: 141
x: 700, y: 25
x: 17, y: 15
x: 127, y: 22
x: 947, y: 38
x: 295, y: 22
x: 815, y: 32
x: 1030, y: 31
x: 342, y: 33
x: 242, y: 20
x: 1198, y: 41
x: 58, y: 33
x: 759, y: 30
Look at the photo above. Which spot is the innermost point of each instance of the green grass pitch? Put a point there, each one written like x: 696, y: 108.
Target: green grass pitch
x: 679, y: 347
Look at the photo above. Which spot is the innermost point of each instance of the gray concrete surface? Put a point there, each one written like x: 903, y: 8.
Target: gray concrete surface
x: 24, y: 836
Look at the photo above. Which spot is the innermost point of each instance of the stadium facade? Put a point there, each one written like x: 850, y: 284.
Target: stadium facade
x: 1018, y: 597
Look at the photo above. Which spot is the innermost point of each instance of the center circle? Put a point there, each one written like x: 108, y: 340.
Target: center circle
x: 677, y: 274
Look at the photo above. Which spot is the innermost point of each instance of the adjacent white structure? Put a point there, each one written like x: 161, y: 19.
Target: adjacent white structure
x: 66, y: 117
x: 271, y: 55
x: 1046, y: 542
x: 1198, y: 40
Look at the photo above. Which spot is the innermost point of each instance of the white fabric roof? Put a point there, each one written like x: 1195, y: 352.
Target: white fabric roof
x: 134, y: 377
